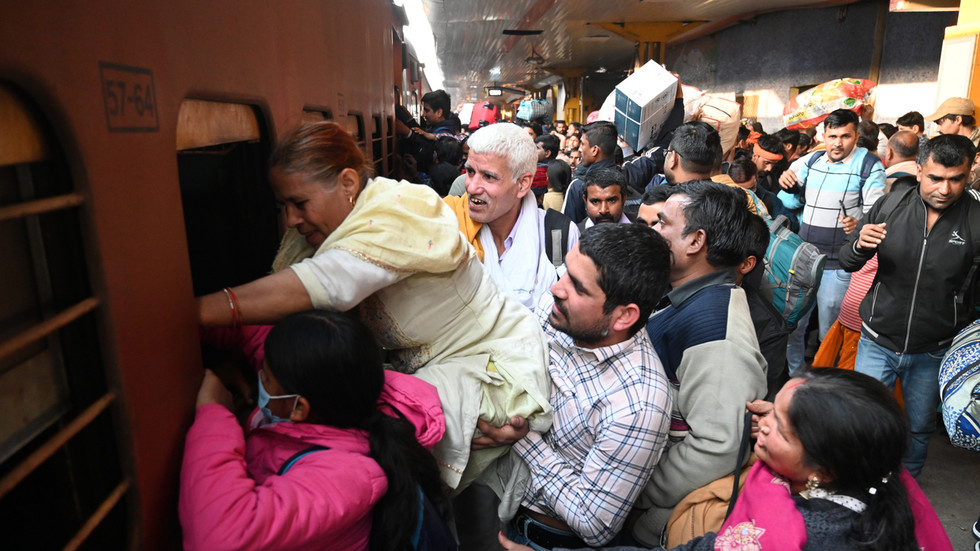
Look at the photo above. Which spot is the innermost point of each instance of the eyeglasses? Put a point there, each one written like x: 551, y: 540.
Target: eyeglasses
x: 669, y: 151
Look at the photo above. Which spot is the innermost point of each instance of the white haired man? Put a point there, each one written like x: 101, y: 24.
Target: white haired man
x: 501, y: 219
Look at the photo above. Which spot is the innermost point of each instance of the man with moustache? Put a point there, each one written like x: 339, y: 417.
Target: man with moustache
x: 609, y: 392
x: 605, y: 196
x: 835, y: 196
x: 500, y: 217
x: 927, y: 240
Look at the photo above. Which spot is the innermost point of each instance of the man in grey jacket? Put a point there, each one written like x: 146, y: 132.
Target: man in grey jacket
x: 704, y: 335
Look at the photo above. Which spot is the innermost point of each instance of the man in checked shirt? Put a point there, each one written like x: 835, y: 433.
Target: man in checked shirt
x: 609, y: 392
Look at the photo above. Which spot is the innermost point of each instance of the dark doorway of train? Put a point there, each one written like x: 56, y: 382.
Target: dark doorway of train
x: 230, y: 212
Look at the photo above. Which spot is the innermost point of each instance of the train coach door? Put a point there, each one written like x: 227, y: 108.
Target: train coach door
x: 229, y: 210
x: 61, y: 481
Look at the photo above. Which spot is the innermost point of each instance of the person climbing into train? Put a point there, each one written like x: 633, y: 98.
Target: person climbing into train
x: 331, y: 458
x: 392, y: 255
x: 829, y: 474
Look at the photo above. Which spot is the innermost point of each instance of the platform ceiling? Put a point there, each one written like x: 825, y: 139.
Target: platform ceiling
x: 470, y: 42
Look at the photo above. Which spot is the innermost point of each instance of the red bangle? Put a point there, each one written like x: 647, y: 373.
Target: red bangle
x: 236, y: 313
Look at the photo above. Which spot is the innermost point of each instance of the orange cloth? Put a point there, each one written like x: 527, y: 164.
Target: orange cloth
x: 467, y: 225
x: 757, y: 150
x: 840, y: 347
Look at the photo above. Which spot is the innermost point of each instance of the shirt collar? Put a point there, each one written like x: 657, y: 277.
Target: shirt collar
x: 603, y: 354
x: 605, y: 163
x: 718, y: 277
x: 623, y: 219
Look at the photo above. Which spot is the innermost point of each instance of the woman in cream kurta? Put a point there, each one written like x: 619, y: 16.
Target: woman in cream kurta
x: 397, y: 261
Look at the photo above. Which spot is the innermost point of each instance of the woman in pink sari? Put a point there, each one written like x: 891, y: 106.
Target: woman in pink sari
x: 829, y: 475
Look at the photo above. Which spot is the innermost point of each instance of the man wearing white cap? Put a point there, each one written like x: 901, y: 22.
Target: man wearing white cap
x: 955, y: 116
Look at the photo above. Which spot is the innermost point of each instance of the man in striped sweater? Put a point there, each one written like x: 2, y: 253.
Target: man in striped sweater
x: 836, y: 187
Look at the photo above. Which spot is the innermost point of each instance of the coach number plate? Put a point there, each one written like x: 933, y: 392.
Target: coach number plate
x: 129, y: 97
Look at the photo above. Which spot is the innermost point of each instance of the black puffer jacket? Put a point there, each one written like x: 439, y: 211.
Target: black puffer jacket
x: 911, y: 307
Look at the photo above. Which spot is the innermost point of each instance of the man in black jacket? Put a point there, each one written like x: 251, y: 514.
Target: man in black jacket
x: 920, y: 297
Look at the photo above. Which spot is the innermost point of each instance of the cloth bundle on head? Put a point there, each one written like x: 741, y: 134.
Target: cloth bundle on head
x: 811, y: 107
x: 724, y: 115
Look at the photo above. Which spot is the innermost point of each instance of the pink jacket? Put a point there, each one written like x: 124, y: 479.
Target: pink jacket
x: 232, y: 498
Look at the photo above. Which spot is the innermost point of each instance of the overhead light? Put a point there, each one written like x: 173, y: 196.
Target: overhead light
x: 601, y: 70
x: 419, y: 33
x: 495, y: 91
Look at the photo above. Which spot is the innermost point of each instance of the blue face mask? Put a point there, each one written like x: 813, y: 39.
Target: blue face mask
x: 263, y: 404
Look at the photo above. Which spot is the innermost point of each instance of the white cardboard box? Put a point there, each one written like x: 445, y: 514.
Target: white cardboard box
x: 643, y: 102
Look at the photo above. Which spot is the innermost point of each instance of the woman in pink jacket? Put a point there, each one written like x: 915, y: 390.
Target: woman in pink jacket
x: 322, y: 465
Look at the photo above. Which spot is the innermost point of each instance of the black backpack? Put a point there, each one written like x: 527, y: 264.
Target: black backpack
x: 556, y: 226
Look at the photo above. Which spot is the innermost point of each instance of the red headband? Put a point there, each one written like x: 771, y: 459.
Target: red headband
x: 765, y: 154
x: 753, y: 137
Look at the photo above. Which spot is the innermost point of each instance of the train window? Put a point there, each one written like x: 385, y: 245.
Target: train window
x: 378, y: 144
x: 230, y: 213
x: 391, y: 145
x: 354, y: 124
x: 316, y: 115
x: 59, y: 462
x: 207, y: 123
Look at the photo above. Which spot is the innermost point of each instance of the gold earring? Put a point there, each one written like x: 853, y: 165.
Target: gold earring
x: 812, y: 483
x: 351, y: 199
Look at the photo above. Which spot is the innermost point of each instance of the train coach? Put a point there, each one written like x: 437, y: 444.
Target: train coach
x: 134, y: 139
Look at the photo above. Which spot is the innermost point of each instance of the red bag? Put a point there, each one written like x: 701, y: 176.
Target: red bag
x: 483, y: 114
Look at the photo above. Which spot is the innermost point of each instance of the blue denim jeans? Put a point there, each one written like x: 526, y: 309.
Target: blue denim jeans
x: 920, y: 390
x: 514, y: 535
x: 833, y: 285
x: 796, y: 346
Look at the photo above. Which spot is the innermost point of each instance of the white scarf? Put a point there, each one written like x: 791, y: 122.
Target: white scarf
x: 526, y: 272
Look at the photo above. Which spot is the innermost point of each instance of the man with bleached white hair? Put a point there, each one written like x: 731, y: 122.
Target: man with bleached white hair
x: 520, y: 245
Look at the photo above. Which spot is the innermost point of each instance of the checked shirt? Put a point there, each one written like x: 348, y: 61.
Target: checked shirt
x: 612, y: 413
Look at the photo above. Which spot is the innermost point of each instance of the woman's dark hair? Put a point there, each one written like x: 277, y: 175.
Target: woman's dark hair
x: 559, y: 175
x: 852, y: 428
x: 333, y: 361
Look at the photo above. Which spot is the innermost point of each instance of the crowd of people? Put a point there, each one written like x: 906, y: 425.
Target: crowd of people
x: 530, y: 341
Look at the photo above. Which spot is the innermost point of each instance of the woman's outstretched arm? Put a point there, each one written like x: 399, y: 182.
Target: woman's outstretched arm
x: 263, y: 301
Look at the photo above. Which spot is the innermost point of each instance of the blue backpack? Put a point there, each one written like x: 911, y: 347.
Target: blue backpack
x: 959, y: 388
x: 793, y: 270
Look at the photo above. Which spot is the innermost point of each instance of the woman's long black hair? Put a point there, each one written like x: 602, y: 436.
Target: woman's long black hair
x: 852, y: 427
x: 333, y: 361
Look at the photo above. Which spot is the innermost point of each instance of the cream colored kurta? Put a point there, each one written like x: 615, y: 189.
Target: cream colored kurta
x: 433, y: 307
